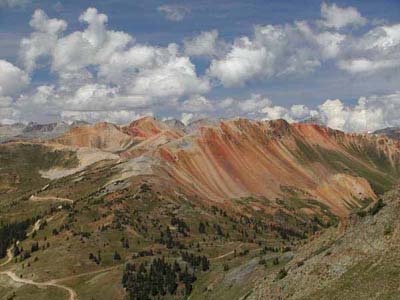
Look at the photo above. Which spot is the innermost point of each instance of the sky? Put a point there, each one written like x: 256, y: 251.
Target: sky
x: 118, y: 60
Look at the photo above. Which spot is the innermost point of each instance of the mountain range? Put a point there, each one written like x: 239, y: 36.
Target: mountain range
x: 230, y: 208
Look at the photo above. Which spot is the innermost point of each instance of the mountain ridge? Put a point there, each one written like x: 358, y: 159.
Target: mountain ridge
x: 239, y: 158
x: 219, y: 206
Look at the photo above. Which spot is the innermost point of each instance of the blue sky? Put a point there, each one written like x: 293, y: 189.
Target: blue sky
x: 311, y: 77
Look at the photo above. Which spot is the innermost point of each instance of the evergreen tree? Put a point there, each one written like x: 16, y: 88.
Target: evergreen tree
x: 202, y: 228
x: 116, y: 256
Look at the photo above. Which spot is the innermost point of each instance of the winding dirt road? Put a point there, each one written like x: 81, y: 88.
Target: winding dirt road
x: 14, y: 277
x: 87, y: 273
x: 226, y: 254
x: 53, y: 282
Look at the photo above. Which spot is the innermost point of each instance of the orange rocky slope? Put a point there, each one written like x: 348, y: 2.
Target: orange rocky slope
x: 104, y: 136
x: 153, y: 134
x: 112, y: 138
x: 241, y: 158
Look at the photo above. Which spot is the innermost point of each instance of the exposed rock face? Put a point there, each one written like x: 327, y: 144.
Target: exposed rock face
x: 224, y: 160
x: 140, y: 136
x: 239, y: 158
x: 145, y: 128
x: 104, y: 136
x: 152, y: 134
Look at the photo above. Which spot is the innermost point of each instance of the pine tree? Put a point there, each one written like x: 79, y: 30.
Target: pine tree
x: 202, y: 228
x: 116, y: 256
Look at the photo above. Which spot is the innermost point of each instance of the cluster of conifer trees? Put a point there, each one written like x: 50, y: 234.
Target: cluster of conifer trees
x: 12, y: 232
x: 160, y: 278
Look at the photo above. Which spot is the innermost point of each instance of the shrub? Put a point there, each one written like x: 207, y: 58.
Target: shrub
x: 262, y: 262
x: 281, y: 274
x: 377, y: 207
x: 388, y: 229
x: 300, y: 263
x: 116, y: 256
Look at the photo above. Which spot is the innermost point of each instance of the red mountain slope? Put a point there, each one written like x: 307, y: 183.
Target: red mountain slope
x: 227, y: 160
x: 241, y: 158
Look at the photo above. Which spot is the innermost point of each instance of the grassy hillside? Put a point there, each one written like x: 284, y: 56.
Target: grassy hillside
x: 366, y: 161
x: 357, y: 261
x: 143, y: 219
x: 20, y: 165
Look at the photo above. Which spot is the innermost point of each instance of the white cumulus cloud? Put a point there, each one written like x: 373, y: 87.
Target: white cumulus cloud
x: 12, y: 79
x: 204, y: 44
x: 338, y: 17
x: 100, y: 73
x: 116, y: 117
x: 100, y: 69
x: 376, y: 50
x: 369, y: 114
x: 42, y: 41
x: 273, y: 51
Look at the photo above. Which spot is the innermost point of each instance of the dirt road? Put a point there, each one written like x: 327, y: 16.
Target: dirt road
x: 14, y: 277
x: 50, y: 198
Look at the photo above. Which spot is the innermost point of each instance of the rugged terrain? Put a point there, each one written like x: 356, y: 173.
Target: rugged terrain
x: 35, y: 131
x: 221, y: 208
x: 357, y: 261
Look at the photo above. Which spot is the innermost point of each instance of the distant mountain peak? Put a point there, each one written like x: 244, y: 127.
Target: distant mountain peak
x: 390, y: 132
x: 313, y: 120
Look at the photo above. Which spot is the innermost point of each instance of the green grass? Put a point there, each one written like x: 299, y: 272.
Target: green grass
x: 20, y: 166
x: 367, y: 162
x: 8, y: 288
x: 366, y: 280
x: 105, y: 285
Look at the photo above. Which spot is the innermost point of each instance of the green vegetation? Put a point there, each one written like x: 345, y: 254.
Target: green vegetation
x: 137, y: 238
x: 281, y: 274
x: 111, y: 225
x: 19, y: 173
x: 158, y: 280
x: 367, y: 162
x: 363, y: 281
x: 11, y: 233
x: 22, y: 163
x: 388, y: 229
x: 376, y: 207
